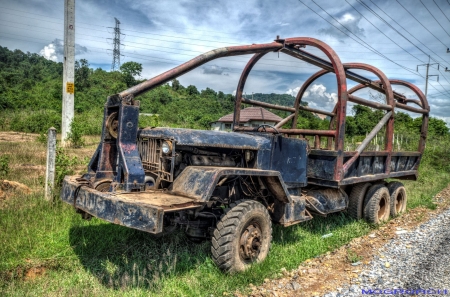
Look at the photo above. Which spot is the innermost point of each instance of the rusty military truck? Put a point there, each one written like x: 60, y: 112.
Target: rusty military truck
x: 229, y: 187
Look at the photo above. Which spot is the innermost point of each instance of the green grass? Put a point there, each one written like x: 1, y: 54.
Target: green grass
x: 95, y: 258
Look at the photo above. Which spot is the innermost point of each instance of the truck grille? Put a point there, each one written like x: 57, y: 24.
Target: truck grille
x: 150, y: 151
x: 152, y: 158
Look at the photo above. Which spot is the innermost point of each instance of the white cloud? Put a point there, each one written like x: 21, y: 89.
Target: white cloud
x: 49, y: 52
x: 55, y: 50
x: 318, y: 97
x: 293, y: 92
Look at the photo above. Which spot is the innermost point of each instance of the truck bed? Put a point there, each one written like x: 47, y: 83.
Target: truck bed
x: 370, y: 165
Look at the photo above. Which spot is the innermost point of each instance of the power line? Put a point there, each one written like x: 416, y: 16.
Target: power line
x: 177, y: 62
x: 382, y: 32
x: 165, y: 25
x: 158, y: 47
x: 434, y: 18
x: 368, y: 46
x: 387, y: 23
x: 421, y: 23
x: 441, y: 10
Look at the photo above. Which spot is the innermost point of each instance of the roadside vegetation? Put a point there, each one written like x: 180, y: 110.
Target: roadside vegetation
x: 47, y: 249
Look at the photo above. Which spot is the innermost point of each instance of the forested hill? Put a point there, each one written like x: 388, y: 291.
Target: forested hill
x: 31, y: 99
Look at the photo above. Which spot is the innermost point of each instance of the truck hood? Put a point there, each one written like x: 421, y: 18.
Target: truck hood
x: 208, y: 138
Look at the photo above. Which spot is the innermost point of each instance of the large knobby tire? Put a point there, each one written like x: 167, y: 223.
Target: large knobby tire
x: 356, y: 200
x: 242, y: 236
x: 398, y: 198
x: 377, y: 204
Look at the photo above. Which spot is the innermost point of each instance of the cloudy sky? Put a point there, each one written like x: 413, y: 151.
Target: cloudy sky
x: 394, y: 35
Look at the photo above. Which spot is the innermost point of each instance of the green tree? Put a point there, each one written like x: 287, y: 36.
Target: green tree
x: 129, y: 71
x: 82, y: 73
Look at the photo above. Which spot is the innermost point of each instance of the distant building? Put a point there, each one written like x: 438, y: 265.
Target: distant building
x: 250, y: 117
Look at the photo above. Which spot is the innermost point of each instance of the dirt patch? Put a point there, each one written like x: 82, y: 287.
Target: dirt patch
x: 24, y: 273
x: 8, y: 187
x: 17, y: 137
x: 31, y: 166
x: 34, y: 272
x: 315, y: 277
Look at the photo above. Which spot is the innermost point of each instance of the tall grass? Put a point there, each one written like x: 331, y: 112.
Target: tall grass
x: 93, y: 258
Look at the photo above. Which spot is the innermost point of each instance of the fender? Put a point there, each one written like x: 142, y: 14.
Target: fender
x: 198, y: 182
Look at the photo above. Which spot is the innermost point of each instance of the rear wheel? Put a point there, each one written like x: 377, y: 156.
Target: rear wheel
x: 398, y: 198
x: 242, y: 236
x: 377, y: 204
x: 356, y: 200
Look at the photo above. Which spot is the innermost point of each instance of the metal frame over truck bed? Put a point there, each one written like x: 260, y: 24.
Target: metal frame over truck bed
x: 155, y: 179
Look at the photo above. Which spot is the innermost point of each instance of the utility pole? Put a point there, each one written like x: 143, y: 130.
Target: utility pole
x: 68, y: 69
x: 427, y: 76
x: 115, y: 66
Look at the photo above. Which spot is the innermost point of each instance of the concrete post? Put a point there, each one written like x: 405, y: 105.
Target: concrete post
x: 68, y: 70
x: 51, y: 157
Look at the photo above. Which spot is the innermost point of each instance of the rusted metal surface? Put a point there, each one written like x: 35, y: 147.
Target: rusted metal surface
x: 139, y: 215
x: 240, y: 87
x: 290, y: 131
x: 205, y: 138
x: 326, y: 201
x: 284, y: 121
x: 198, y: 61
x: 369, y: 103
x: 338, y: 69
x: 410, y: 108
x: 288, y: 214
x: 199, y: 182
x: 368, y: 139
x: 423, y: 103
x: 286, y: 108
x: 301, y: 92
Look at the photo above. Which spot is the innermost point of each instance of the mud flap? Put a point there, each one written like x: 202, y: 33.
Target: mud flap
x: 326, y: 201
x: 291, y: 213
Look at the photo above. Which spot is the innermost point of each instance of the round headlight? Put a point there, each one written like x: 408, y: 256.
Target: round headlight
x: 166, y: 147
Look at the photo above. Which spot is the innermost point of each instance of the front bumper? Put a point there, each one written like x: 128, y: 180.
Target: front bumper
x: 121, y: 209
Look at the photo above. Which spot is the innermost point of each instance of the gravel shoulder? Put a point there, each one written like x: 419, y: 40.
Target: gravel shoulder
x: 410, y: 252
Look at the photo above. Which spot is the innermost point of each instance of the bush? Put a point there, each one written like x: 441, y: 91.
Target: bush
x: 64, y: 165
x: 35, y: 121
x: 148, y: 121
x: 75, y: 135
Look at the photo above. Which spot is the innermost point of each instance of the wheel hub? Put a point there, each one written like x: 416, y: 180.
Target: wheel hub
x: 381, y: 209
x: 250, y: 242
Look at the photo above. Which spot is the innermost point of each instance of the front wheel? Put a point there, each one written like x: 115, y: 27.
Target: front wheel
x: 242, y: 236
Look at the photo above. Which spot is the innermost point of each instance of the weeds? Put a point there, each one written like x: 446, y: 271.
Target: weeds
x: 64, y: 165
x: 42, y: 138
x: 353, y: 257
x: 4, y: 166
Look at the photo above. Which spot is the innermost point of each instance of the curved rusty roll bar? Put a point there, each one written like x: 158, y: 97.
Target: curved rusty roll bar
x: 388, y: 119
x: 384, y: 82
x: 290, y: 45
x: 336, y: 131
x: 241, y: 84
x: 198, y: 61
x: 423, y: 103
